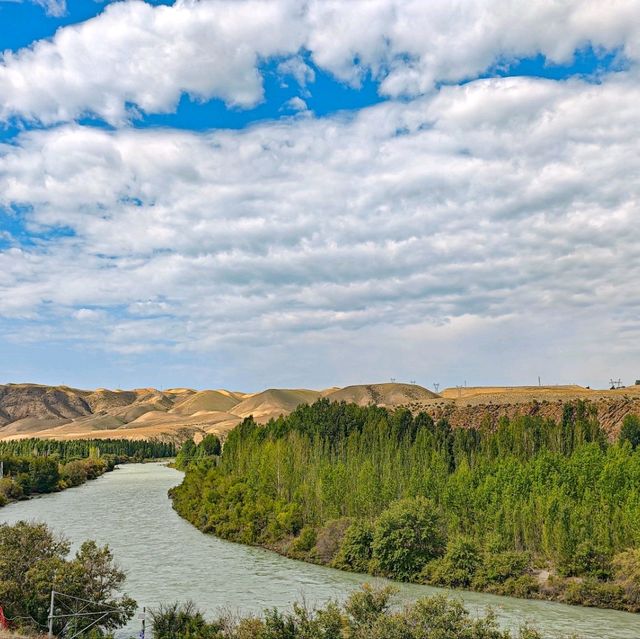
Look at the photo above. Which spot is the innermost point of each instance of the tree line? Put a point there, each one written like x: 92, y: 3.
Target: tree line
x: 124, y: 449
x: 393, y: 494
x: 39, y: 466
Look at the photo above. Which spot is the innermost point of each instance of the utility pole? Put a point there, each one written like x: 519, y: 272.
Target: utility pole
x: 144, y: 620
x: 53, y: 598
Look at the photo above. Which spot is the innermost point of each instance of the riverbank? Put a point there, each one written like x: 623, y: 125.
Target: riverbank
x: 515, y: 574
x: 534, y: 509
x: 129, y: 511
x: 41, y: 476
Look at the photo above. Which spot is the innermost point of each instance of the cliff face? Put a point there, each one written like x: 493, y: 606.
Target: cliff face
x: 610, y: 412
x: 472, y: 410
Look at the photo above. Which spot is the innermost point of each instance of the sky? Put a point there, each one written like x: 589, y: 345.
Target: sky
x: 308, y: 193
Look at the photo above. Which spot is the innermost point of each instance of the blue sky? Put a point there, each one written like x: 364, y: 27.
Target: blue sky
x: 261, y: 194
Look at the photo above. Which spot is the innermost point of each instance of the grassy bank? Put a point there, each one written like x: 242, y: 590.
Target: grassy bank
x: 534, y: 508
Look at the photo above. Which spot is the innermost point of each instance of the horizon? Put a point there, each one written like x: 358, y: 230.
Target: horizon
x: 256, y: 195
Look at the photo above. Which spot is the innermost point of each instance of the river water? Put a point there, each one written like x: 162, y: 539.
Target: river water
x: 167, y: 559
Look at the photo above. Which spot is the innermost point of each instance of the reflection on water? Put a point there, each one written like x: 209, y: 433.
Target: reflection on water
x: 166, y: 559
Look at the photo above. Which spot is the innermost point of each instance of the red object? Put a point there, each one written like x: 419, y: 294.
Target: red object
x: 3, y: 620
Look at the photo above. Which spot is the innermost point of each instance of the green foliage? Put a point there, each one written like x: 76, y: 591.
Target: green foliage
x: 33, y: 560
x: 186, y: 454
x: 630, y: 431
x: 406, y: 536
x: 355, y: 550
x: 459, y: 565
x: 68, y: 450
x: 209, y: 446
x: 367, y: 614
x: 527, y: 490
x: 305, y: 541
x: 180, y: 621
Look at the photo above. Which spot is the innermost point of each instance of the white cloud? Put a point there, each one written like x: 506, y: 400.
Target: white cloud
x: 508, y: 202
x: 136, y: 57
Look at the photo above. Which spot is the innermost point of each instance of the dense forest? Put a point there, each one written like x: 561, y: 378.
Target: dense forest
x: 38, y: 466
x: 124, y: 449
x: 529, y: 508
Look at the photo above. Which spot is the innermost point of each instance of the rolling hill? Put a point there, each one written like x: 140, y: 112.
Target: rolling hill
x: 33, y: 410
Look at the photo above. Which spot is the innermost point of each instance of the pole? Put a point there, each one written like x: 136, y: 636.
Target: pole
x: 144, y: 621
x: 53, y: 596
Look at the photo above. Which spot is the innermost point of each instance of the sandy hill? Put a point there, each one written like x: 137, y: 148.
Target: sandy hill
x: 274, y: 402
x: 381, y: 394
x: 208, y: 400
x: 28, y: 410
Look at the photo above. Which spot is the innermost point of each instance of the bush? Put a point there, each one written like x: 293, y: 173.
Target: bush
x: 180, y: 621
x: 406, y: 536
x: 626, y: 569
x: 591, y: 592
x: 74, y: 473
x: 305, y: 541
x: 498, y: 567
x: 329, y: 539
x: 10, y: 490
x: 586, y: 561
x: 355, y: 549
x: 458, y: 566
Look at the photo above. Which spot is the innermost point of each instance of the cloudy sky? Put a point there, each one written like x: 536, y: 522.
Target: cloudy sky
x: 310, y: 193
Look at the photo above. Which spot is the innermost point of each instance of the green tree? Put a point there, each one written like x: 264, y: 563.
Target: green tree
x: 406, y: 536
x: 630, y: 431
x: 33, y: 560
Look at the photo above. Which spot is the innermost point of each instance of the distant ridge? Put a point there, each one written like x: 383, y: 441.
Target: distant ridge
x: 28, y: 410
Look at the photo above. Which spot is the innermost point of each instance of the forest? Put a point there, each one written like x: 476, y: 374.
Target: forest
x: 39, y: 466
x: 530, y: 508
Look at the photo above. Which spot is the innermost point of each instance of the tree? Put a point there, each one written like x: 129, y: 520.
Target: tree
x: 33, y: 560
x: 406, y: 536
x: 209, y: 446
x: 630, y: 431
x: 186, y: 454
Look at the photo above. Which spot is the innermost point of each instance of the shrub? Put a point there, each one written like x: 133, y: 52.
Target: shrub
x: 355, y: 549
x: 498, y: 567
x: 74, y: 473
x: 586, y: 561
x: 591, y: 592
x: 406, y: 536
x: 305, y: 541
x: 458, y: 566
x: 626, y: 569
x: 180, y: 621
x: 9, y: 489
x: 329, y: 539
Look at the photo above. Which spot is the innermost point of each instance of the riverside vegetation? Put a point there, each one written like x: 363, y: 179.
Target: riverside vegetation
x: 532, y: 508
x: 39, y: 466
x: 33, y: 560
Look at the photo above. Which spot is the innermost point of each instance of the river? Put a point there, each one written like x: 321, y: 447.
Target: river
x: 167, y: 559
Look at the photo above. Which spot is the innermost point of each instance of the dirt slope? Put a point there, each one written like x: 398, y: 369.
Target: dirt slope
x: 382, y: 394
x: 274, y: 402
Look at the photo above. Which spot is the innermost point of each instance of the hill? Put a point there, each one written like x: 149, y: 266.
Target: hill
x: 382, y: 394
x: 274, y: 402
x: 28, y: 410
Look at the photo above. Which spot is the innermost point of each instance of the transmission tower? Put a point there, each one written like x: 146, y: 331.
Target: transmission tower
x: 436, y: 385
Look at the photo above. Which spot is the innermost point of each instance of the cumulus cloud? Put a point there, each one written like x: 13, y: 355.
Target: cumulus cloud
x: 504, y: 202
x: 136, y: 57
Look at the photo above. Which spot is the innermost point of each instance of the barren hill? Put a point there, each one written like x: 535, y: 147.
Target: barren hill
x: 28, y: 410
x: 274, y: 402
x: 382, y: 394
